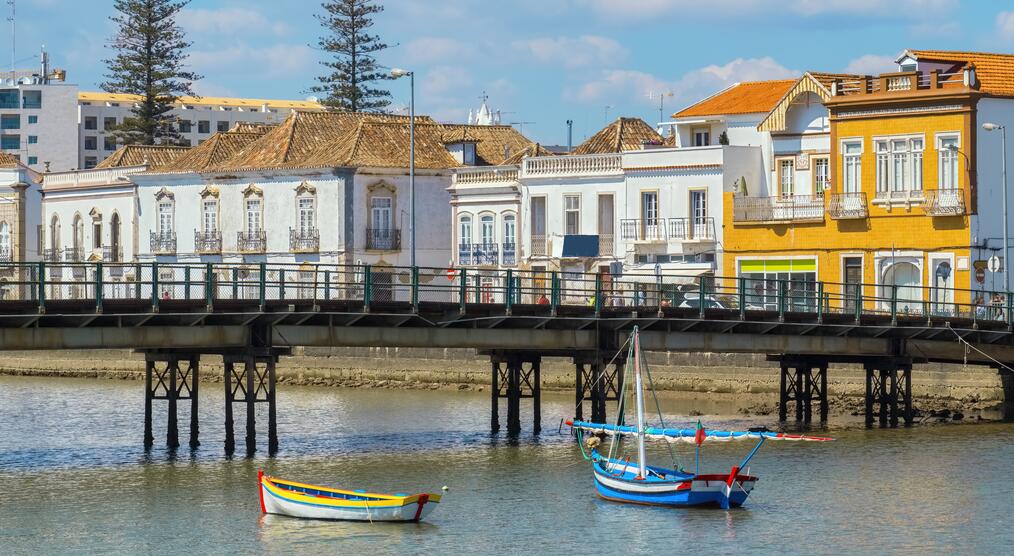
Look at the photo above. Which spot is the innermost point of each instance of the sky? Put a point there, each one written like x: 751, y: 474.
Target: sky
x: 541, y: 62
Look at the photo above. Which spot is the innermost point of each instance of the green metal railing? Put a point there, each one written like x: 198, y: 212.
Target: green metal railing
x: 106, y: 284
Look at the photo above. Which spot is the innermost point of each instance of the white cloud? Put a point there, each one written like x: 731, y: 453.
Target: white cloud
x: 1005, y: 25
x: 624, y: 86
x: 229, y: 22
x: 871, y: 64
x: 280, y: 60
x: 441, y: 80
x: 572, y: 52
x: 208, y: 89
x: 435, y: 49
x: 892, y: 9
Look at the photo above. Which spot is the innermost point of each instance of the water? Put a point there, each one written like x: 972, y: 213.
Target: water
x: 74, y: 480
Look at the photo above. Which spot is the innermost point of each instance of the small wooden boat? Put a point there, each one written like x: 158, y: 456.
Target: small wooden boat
x: 290, y: 498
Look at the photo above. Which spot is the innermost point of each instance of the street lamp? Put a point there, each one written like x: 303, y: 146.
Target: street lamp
x: 397, y: 73
x: 1003, y: 161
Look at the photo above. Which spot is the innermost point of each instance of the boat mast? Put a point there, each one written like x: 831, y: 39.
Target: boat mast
x: 639, y: 387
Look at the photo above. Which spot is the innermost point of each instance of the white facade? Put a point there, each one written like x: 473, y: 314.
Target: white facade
x: 739, y: 129
x: 38, y: 122
x: 20, y: 202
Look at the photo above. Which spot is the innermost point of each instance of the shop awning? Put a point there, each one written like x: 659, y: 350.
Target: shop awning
x: 672, y: 273
x: 575, y: 246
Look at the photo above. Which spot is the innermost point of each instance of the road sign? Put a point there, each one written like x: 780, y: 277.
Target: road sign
x: 980, y: 275
x: 451, y: 273
x: 993, y: 264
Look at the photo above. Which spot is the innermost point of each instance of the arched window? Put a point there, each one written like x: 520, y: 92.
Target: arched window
x: 54, y: 233
x: 78, y: 239
x: 114, y: 238
x: 465, y: 230
x: 487, y: 230
x: 6, y: 254
x: 941, y: 287
x: 510, y: 229
x: 905, y: 277
x: 306, y: 214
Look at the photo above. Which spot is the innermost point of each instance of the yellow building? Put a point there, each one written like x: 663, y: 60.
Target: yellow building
x: 906, y: 212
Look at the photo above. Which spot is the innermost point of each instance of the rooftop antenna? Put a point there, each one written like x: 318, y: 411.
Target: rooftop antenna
x: 605, y: 114
x: 13, y: 41
x: 660, y: 95
x: 484, y: 97
x: 521, y: 126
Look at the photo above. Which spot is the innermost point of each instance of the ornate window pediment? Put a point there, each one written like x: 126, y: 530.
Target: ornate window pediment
x: 164, y: 193
x: 306, y: 189
x: 209, y: 191
x: 253, y: 190
x: 382, y: 187
x: 95, y: 213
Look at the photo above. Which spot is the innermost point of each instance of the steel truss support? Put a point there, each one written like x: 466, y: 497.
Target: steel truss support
x: 888, y: 385
x: 515, y: 376
x: 171, y: 377
x: 250, y: 379
x: 598, y: 380
x: 802, y: 381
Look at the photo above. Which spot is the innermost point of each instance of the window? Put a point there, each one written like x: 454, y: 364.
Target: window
x: 701, y: 136
x: 5, y: 241
x: 786, y: 175
x: 380, y: 212
x: 572, y: 214
x: 33, y: 160
x: 253, y: 215
x: 538, y: 215
x: 899, y: 166
x: 32, y: 99
x: 90, y: 162
x: 10, y: 121
x: 33, y: 119
x: 821, y: 175
x: 209, y: 215
x: 97, y: 234
x: 91, y: 143
x: 10, y: 141
x: 9, y: 99
x: 186, y: 126
x: 465, y: 230
x: 223, y: 126
x: 203, y: 126
x: 699, y: 213
x: 852, y: 152
x: 108, y: 123
x: 109, y: 143
x: 486, y: 229
x: 306, y: 213
x: 165, y: 217
x: 510, y: 229
x: 91, y: 122
x: 33, y: 139
x: 947, y: 153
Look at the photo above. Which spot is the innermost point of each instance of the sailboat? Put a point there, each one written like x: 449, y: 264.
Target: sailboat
x: 636, y: 482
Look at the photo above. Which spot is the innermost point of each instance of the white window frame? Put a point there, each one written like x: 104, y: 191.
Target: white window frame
x: 254, y: 218
x: 821, y: 182
x: 487, y: 223
x: 209, y: 216
x: 786, y: 179
x: 306, y: 216
x: 852, y: 165
x: 165, y: 212
x: 899, y: 167
x: 510, y: 228
x: 569, y: 211
x: 465, y: 224
x: 376, y: 210
x: 942, y: 156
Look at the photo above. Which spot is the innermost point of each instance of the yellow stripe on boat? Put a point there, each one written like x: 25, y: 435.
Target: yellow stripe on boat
x: 387, y: 501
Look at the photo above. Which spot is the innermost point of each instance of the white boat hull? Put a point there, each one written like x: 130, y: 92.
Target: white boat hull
x: 275, y: 504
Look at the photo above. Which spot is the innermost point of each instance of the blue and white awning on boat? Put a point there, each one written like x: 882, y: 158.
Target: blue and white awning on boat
x: 689, y: 435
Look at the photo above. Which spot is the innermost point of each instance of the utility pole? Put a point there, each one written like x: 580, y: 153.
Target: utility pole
x: 570, y: 135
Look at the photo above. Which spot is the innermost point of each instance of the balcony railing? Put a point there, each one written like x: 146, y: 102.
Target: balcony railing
x: 387, y: 239
x: 692, y: 229
x: 539, y: 245
x: 573, y: 165
x: 509, y: 254
x: 51, y: 255
x: 6, y: 255
x: 208, y: 241
x: 112, y: 253
x: 486, y: 174
x: 845, y: 206
x: 304, y: 240
x: 163, y: 243
x: 902, y: 196
x: 945, y: 202
x: 791, y: 208
x: 255, y: 241
x: 73, y: 254
x: 637, y: 229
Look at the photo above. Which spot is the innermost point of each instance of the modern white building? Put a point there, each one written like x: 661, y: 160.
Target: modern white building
x: 38, y: 118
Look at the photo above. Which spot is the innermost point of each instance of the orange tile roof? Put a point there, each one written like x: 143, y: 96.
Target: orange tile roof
x: 139, y: 155
x: 994, y: 71
x: 624, y: 134
x: 8, y: 161
x: 742, y: 98
x: 213, y: 151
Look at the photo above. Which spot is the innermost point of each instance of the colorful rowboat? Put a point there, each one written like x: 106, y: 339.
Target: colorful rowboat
x: 293, y: 499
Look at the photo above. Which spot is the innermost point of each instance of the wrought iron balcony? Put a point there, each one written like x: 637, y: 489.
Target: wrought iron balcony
x: 691, y: 229
x: 509, y: 254
x: 845, y: 206
x: 606, y: 243
x: 637, y: 229
x: 465, y: 254
x: 163, y: 243
x: 387, y: 239
x: 945, y: 202
x: 112, y: 253
x: 255, y: 241
x: 208, y: 241
x: 304, y: 240
x: 481, y: 253
x: 789, y: 208
x: 51, y: 255
x: 539, y: 245
x: 6, y: 255
x: 73, y: 254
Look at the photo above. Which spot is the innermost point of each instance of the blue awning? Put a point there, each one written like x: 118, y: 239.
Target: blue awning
x: 580, y: 246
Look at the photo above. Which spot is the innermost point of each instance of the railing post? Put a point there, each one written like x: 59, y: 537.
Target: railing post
x: 742, y: 297
x: 1010, y: 307
x: 509, y: 291
x: 859, y: 302
x: 327, y: 285
x: 894, y: 305
x: 820, y: 302
x: 367, y: 287
x: 598, y: 294
x: 463, y: 290
x: 554, y: 293
x: 701, y: 298
x: 138, y: 270
x: 281, y: 283
x: 42, y: 287
x: 782, y: 286
x: 415, y: 289
x: 186, y: 282
x: 235, y: 283
x: 209, y: 287
x: 263, y: 285
x: 154, y: 286
x: 98, y: 287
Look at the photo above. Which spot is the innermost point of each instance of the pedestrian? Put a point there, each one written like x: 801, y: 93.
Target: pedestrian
x: 543, y: 300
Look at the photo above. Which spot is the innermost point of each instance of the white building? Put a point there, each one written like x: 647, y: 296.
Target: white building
x: 20, y: 201
x: 38, y: 118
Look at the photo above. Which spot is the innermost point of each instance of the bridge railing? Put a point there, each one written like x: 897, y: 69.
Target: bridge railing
x: 48, y: 282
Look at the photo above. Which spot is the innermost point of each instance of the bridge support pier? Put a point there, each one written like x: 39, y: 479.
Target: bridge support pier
x: 515, y: 376
x: 803, y: 381
x: 171, y: 377
x: 598, y: 382
x: 1007, y: 383
x: 884, y: 391
x: 250, y: 379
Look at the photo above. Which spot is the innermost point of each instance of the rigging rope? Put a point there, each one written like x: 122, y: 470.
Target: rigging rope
x: 623, y: 389
x: 970, y: 346
x: 658, y: 408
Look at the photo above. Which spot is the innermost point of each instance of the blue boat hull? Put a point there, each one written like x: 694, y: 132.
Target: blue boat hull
x: 618, y: 481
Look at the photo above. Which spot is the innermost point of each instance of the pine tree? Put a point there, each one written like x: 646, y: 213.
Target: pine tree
x: 352, y: 65
x: 150, y: 54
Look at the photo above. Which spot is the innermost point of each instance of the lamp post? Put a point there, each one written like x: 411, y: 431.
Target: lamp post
x: 1003, y: 161
x: 396, y: 73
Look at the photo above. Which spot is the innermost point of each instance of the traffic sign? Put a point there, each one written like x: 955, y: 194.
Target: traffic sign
x: 993, y: 264
x: 980, y: 275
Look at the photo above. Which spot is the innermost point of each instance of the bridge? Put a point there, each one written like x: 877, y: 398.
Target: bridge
x: 252, y: 314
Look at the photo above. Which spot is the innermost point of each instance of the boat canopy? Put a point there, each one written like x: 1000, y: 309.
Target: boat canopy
x: 689, y: 435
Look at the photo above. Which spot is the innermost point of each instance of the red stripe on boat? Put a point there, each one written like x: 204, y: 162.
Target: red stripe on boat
x: 423, y: 498
x: 684, y: 486
x: 260, y: 489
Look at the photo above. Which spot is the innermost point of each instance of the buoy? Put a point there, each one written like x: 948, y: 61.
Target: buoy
x: 444, y: 488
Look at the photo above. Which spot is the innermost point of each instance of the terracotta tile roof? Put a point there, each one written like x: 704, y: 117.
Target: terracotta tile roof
x: 8, y: 161
x: 994, y: 71
x: 252, y: 127
x: 624, y: 134
x: 251, y: 103
x: 292, y: 142
x: 742, y: 98
x: 495, y: 143
x: 212, y: 152
x: 139, y: 155
x: 534, y: 149
x: 381, y: 144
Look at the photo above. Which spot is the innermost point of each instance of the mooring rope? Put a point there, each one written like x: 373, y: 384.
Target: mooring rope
x: 970, y: 346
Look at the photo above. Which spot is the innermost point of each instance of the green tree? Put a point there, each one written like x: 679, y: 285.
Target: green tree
x: 150, y: 63
x: 352, y: 69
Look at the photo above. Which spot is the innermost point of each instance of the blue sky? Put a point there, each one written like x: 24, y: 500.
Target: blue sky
x: 540, y: 61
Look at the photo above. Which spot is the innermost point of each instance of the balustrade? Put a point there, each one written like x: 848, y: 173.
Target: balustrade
x: 789, y: 208
x: 845, y: 206
x: 573, y: 165
x: 209, y: 241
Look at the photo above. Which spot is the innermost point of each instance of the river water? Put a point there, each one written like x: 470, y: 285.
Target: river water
x: 74, y: 480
